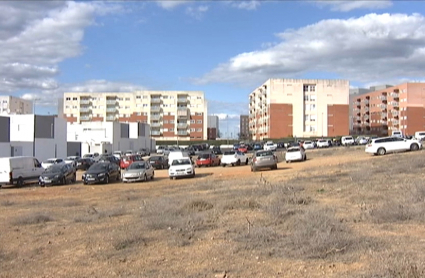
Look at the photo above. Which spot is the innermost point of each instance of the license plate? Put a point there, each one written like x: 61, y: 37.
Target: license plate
x: 91, y: 179
x: 47, y: 181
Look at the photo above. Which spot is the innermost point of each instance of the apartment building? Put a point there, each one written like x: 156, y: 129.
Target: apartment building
x: 300, y: 108
x: 172, y: 115
x: 244, y: 127
x: 14, y: 105
x: 214, y: 122
x: 388, y: 109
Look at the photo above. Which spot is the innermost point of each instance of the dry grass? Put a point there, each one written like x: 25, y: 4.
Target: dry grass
x: 340, y: 214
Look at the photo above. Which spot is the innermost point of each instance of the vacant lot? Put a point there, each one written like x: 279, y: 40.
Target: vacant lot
x: 342, y: 213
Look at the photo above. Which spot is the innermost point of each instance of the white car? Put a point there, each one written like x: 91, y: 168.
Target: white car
x: 347, y: 140
x: 73, y: 160
x: 233, y: 158
x: 323, y: 143
x: 390, y: 144
x: 177, y: 154
x: 362, y: 140
x: 295, y: 154
x: 181, y: 167
x: 51, y: 161
x: 308, y: 145
x: 270, y: 146
x: 138, y: 171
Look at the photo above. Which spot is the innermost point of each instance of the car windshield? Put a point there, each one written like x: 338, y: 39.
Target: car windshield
x: 155, y: 158
x: 181, y: 162
x: 135, y: 166
x: 54, y: 169
x: 50, y: 161
x: 292, y: 150
x: 258, y: 154
x: 348, y: 138
x: 205, y: 155
x: 322, y: 141
x: 99, y: 166
x: 88, y: 155
x: 229, y: 153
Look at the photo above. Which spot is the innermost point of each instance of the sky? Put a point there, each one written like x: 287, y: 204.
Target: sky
x: 224, y: 48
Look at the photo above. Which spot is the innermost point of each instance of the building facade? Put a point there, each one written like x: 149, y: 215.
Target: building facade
x: 214, y: 122
x: 40, y: 136
x: 172, y: 115
x: 300, y: 108
x: 101, y: 137
x: 212, y: 133
x: 396, y: 108
x: 244, y: 127
x: 13, y: 105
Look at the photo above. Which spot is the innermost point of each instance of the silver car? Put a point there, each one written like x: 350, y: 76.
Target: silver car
x: 263, y: 159
x: 138, y: 171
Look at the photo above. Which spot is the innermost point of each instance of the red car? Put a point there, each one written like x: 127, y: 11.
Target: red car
x: 128, y: 159
x: 243, y: 149
x: 208, y: 159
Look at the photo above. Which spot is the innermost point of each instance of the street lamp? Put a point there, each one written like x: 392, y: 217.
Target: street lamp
x: 33, y: 104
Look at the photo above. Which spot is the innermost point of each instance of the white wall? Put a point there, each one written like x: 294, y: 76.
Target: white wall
x: 26, y: 147
x: 5, y: 149
x: 22, y: 128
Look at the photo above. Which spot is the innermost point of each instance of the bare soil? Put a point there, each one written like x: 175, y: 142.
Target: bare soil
x: 341, y: 213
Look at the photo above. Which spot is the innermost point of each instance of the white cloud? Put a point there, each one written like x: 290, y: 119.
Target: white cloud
x: 49, y: 96
x: 366, y: 49
x: 245, y: 5
x: 171, y: 4
x: 349, y: 5
x: 197, y: 12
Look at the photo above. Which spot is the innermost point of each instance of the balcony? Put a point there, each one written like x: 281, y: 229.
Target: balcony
x: 366, y: 102
x: 182, y: 100
x: 111, y: 110
x: 366, y: 117
x: 358, y: 118
x: 182, y: 112
x: 111, y: 102
x: 85, y: 118
x: 155, y: 133
x: 383, y: 106
x: 394, y: 94
x: 156, y: 100
x: 395, y: 104
x: 366, y: 108
x: 111, y: 118
x: 85, y: 101
x: 155, y: 125
x: 155, y: 117
x: 182, y: 125
x: 182, y: 133
x: 155, y: 108
x: 383, y: 115
x: 395, y: 122
x: 85, y: 109
x: 384, y: 122
x: 357, y: 103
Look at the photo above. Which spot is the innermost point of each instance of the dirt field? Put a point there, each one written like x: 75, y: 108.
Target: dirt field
x: 341, y: 213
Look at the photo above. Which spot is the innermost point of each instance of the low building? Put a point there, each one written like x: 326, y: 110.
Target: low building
x: 101, y: 137
x: 212, y: 133
x: 244, y: 127
x: 33, y: 135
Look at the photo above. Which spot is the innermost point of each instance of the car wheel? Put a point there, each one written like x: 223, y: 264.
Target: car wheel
x: 233, y: 164
x: 106, y: 179
x: 74, y: 178
x: 63, y: 182
x: 305, y: 157
x: 275, y: 167
x: 381, y: 151
x: 85, y: 183
x: 145, y: 178
x: 20, y: 182
x: 414, y: 147
x: 246, y: 162
x: 238, y: 162
x: 153, y: 174
x: 224, y: 165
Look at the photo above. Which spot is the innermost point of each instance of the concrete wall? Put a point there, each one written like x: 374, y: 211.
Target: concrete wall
x: 22, y: 128
x: 5, y: 149
x: 73, y: 148
x: 5, y: 128
x: 21, y: 148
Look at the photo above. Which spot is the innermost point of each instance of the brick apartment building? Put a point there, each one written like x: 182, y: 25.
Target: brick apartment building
x: 244, y: 127
x: 299, y: 107
x: 172, y: 115
x: 393, y: 108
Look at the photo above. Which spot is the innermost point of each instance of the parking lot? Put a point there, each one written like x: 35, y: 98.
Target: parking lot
x: 335, y: 215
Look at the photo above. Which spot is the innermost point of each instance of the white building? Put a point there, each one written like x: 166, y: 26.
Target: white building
x: 33, y: 135
x: 14, y: 105
x: 172, y: 115
x: 101, y: 137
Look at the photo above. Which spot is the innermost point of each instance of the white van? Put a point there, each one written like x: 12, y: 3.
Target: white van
x: 397, y: 134
x: 347, y: 140
x: 19, y: 170
x: 175, y: 155
x: 420, y: 135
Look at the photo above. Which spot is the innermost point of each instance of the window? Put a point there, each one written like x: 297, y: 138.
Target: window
x: 74, y: 98
x: 138, y: 97
x: 74, y: 107
x: 171, y: 97
x: 127, y: 107
x: 165, y: 121
x: 198, y: 114
x: 120, y: 98
x: 199, y: 130
x: 165, y: 97
x: 192, y: 121
x: 127, y: 99
x: 199, y: 97
x: 171, y: 129
x: 145, y: 97
x: 199, y: 121
x: 165, y: 129
x: 192, y: 130
x: 138, y: 113
x: 145, y: 105
x: 67, y: 106
x: 68, y: 98
x: 171, y: 121
x: 145, y: 113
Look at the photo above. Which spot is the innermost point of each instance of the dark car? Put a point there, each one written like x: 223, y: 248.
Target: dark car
x: 216, y: 150
x: 58, y: 174
x: 102, y: 172
x: 144, y: 152
x: 159, y: 162
x: 84, y: 163
x: 110, y: 158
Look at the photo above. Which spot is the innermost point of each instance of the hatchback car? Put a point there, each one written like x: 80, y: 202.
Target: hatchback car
x: 323, y: 143
x: 208, y: 159
x: 159, y: 162
x: 102, y: 172
x: 390, y: 144
x: 181, y: 167
x: 233, y: 158
x: 58, y: 174
x: 128, y: 159
x: 308, y: 145
x: 295, y: 154
x: 52, y: 161
x: 138, y: 171
x: 263, y: 159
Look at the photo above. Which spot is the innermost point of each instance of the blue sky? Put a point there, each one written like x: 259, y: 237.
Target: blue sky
x: 224, y: 48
